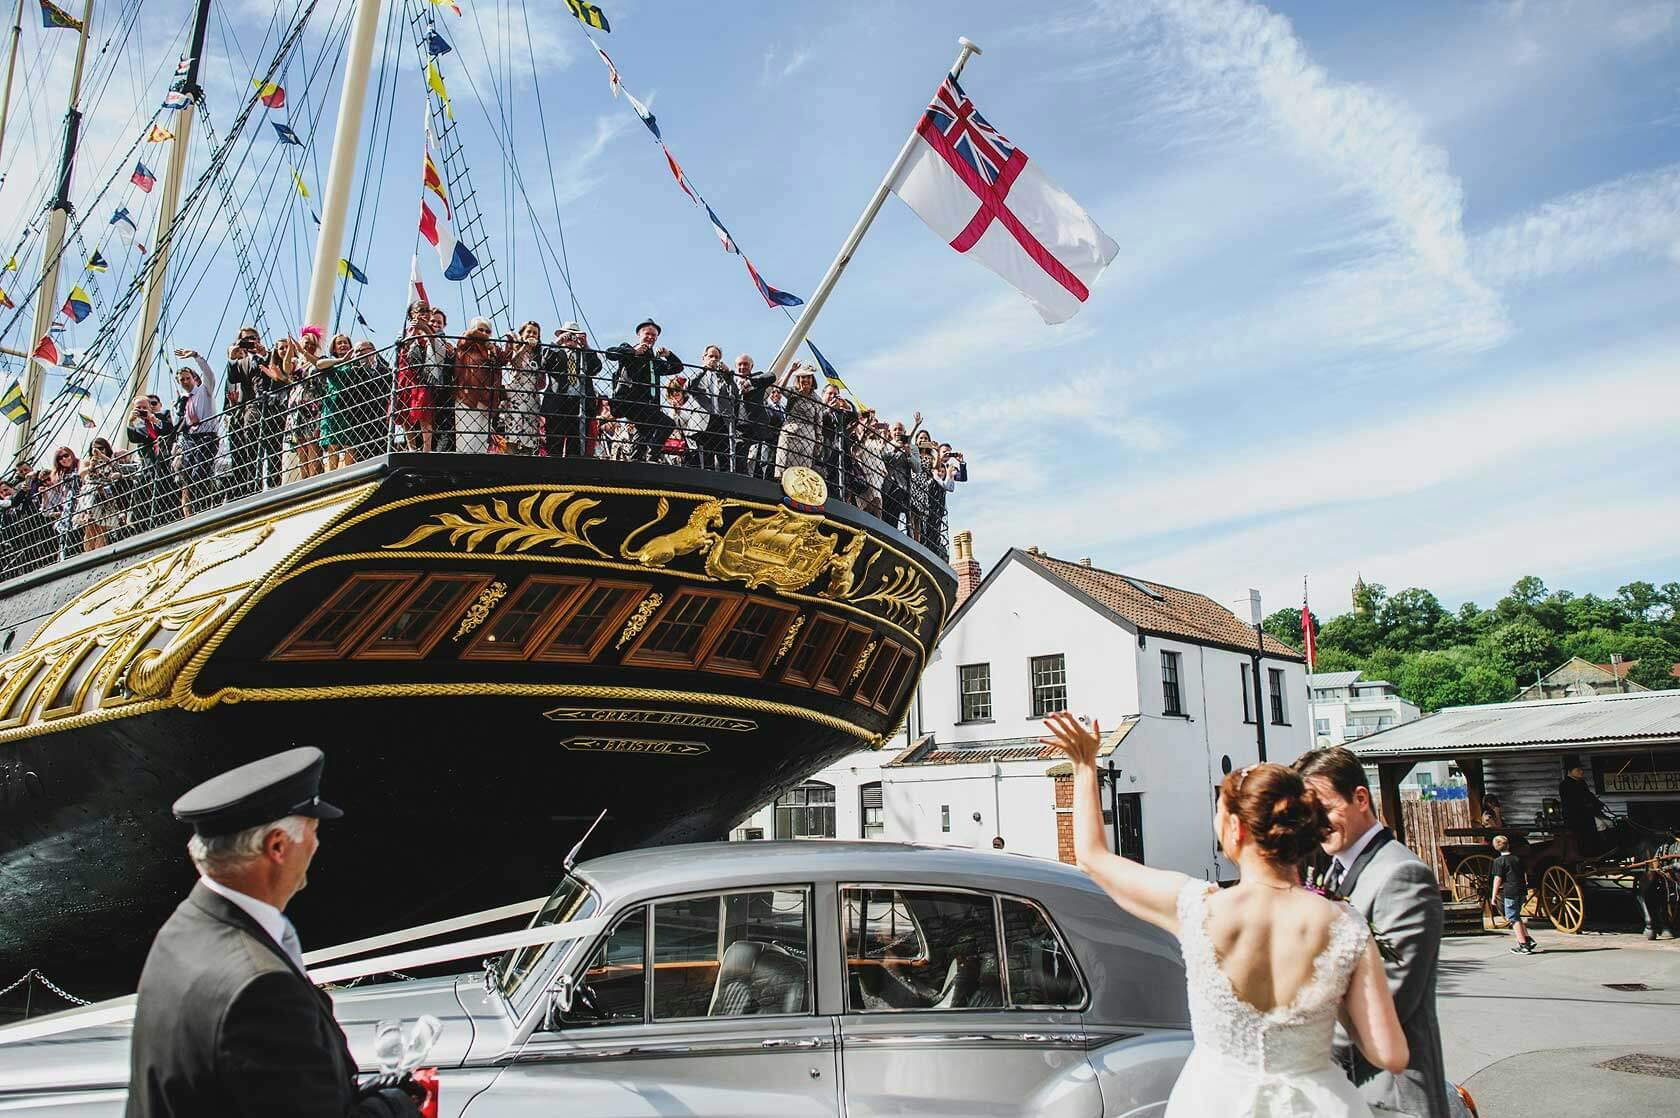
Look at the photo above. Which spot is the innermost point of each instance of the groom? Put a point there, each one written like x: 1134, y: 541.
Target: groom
x: 1398, y: 894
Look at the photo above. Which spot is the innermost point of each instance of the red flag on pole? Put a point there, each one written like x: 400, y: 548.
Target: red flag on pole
x: 1307, y: 633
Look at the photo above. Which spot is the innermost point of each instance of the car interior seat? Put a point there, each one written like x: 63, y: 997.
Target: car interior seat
x: 758, y: 977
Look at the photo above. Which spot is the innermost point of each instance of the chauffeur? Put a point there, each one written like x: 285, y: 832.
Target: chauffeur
x: 227, y: 1024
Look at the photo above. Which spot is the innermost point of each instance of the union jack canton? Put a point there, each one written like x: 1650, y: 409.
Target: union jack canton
x: 980, y: 145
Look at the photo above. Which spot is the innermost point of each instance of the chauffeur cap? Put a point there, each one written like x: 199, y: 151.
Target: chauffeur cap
x: 265, y: 790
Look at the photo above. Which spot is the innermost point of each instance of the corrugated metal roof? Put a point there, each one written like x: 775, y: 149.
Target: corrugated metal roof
x: 927, y: 752
x: 1540, y: 724
x: 1332, y: 679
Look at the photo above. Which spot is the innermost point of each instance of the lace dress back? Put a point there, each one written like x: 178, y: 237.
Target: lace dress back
x: 1276, y: 1062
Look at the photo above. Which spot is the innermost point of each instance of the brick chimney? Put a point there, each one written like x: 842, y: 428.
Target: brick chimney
x: 966, y: 566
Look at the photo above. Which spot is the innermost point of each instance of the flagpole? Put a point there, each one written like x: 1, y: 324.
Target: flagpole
x: 814, y: 305
x: 335, y: 200
x: 156, y: 269
x: 11, y: 68
x: 46, y: 297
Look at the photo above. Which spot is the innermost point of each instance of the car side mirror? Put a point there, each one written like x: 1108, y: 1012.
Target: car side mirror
x: 560, y: 1000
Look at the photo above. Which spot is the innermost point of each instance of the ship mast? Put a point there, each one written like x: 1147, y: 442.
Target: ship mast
x: 11, y: 69
x: 173, y: 175
x: 335, y: 204
x: 46, y: 297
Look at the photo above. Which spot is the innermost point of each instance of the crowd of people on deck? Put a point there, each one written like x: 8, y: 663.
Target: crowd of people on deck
x: 300, y: 406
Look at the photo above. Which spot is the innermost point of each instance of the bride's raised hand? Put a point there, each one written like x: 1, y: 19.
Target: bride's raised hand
x: 1073, y: 737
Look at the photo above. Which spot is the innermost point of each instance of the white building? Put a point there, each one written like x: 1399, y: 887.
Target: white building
x: 1347, y: 707
x: 1167, y: 673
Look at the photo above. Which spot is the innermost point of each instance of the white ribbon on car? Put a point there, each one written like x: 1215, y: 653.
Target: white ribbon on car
x: 120, y: 1010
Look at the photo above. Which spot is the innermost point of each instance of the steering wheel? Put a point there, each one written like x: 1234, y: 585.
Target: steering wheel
x: 583, y: 996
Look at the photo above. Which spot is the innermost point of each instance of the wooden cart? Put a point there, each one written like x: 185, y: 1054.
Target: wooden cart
x: 1559, y: 880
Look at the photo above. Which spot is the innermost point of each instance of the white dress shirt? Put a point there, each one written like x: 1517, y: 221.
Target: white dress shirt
x: 270, y: 919
x: 1348, y: 857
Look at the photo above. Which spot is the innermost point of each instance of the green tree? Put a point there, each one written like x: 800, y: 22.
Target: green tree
x: 1593, y: 645
x: 1454, y: 677
x: 1285, y: 625
x: 1352, y: 632
x: 1639, y: 600
x: 1524, y: 648
x: 1335, y: 660
x: 1589, y: 611
x: 1368, y: 598
x: 1653, y: 661
x: 1526, y: 593
x: 1654, y: 673
x: 1412, y: 619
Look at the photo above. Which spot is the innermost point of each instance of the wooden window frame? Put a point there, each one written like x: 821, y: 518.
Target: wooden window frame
x: 834, y: 628
x: 846, y: 682
x: 898, y: 682
x: 481, y: 647
x: 547, y: 654
x: 398, y: 582
x: 755, y: 668
x: 731, y: 603
x: 880, y: 666
x: 418, y: 649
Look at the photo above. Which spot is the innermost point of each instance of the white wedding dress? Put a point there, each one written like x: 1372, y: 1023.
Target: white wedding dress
x: 1249, y: 1064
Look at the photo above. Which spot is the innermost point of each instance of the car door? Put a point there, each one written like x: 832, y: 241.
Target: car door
x: 959, y: 1002
x: 697, y: 1005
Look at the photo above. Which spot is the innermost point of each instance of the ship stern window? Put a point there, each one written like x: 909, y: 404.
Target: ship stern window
x: 420, y: 621
x: 754, y: 637
x: 812, y: 652
x: 337, y: 623
x: 580, y: 635
x: 684, y: 631
x: 518, y: 625
x: 837, y: 672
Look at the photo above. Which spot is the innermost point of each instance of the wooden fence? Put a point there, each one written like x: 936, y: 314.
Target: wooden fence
x: 1425, y: 820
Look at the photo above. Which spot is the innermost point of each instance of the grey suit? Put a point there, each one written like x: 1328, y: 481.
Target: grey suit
x: 1398, y: 894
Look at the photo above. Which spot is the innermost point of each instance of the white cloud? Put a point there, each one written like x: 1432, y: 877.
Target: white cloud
x: 780, y: 65
x: 1635, y: 215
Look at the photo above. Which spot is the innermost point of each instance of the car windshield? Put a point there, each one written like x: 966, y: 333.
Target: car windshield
x: 518, y: 971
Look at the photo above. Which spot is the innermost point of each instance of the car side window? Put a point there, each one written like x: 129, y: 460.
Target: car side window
x: 613, y: 988
x: 920, y: 949
x: 1041, y: 972
x: 732, y: 955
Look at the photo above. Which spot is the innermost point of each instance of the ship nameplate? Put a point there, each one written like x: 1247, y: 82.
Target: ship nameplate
x: 657, y: 747
x: 643, y: 717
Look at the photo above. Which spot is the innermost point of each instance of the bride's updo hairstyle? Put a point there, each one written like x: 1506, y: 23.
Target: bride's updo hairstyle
x: 1280, y: 813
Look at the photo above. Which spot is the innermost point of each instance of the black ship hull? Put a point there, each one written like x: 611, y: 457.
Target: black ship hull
x: 491, y: 650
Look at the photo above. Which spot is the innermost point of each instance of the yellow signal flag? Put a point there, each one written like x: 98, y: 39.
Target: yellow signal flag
x: 159, y: 135
x: 434, y: 82
x: 11, y: 264
x: 297, y: 180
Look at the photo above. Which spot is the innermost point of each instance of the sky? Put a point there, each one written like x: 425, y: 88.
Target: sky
x: 1396, y: 292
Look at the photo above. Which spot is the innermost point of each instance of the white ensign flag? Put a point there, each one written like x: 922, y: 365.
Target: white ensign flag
x: 981, y: 194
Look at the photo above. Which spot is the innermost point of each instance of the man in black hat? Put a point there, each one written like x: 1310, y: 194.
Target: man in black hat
x: 568, y: 403
x: 635, y: 397
x: 227, y: 1024
x: 1581, y: 808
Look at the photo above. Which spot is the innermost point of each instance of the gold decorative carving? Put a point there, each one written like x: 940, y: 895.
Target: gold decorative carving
x: 657, y: 747
x: 901, y: 594
x: 638, y: 620
x: 526, y: 525
x: 863, y: 660
x: 786, y: 550
x: 162, y: 576
x: 842, y: 567
x: 804, y: 485
x: 642, y: 716
x: 479, y: 610
x: 787, y: 638
x: 696, y: 535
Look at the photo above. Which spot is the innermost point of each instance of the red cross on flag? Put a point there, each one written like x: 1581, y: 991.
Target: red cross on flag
x: 979, y: 192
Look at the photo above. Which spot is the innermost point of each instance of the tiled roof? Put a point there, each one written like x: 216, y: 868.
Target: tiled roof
x: 1169, y: 611
x: 928, y: 752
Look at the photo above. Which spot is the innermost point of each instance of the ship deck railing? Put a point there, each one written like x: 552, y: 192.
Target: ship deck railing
x: 292, y: 435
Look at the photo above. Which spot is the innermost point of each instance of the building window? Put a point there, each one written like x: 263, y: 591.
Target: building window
x: 1049, y: 684
x: 1280, y: 715
x: 1321, y: 725
x: 870, y: 810
x: 806, y: 811
x: 1171, y: 703
x: 945, y: 818
x: 1247, y: 694
x: 974, y: 683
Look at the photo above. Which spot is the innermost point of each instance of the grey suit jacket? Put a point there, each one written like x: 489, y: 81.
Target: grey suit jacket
x: 1398, y: 894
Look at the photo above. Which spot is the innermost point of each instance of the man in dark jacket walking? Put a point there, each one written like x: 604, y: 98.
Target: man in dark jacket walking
x: 227, y: 1024
x: 636, y: 387
x: 568, y: 402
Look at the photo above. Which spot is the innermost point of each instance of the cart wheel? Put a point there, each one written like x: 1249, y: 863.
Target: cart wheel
x: 1471, y: 880
x: 1561, y: 899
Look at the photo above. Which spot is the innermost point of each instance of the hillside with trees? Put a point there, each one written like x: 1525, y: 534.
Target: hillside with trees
x: 1438, y: 657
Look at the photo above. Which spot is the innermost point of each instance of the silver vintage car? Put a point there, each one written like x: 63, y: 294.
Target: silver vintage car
x: 806, y: 978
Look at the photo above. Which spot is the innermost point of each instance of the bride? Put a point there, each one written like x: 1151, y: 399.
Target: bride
x: 1270, y: 965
